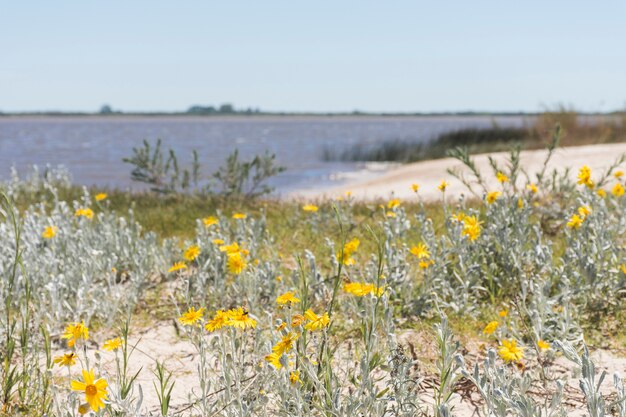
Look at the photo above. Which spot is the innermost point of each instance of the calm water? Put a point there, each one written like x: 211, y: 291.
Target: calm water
x: 93, y: 147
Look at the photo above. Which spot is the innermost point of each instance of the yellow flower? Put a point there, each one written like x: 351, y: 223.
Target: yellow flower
x: 49, y: 232
x: 210, y: 221
x: 74, y: 332
x: 84, y: 212
x: 622, y: 267
x: 101, y: 196
x: 618, y: 174
x: 177, y: 267
x: 471, y: 227
x: 584, y: 177
x: 458, y: 217
x: 520, y: 203
x: 285, y: 344
x: 240, y: 319
x: 348, y: 250
x: 297, y: 320
x: 95, y: 389
x: 288, y: 297
x: 391, y: 214
x: 359, y: 289
x: 236, y: 263
x: 575, y: 222
x: 533, y: 188
x: 239, y: 216
x: 191, y: 252
x: 490, y: 328
x: 424, y: 264
x: 415, y: 187
x: 191, y: 316
x: 493, y: 196
x: 218, y: 241
x: 618, y: 190
x: 310, y: 207
x: 503, y: 313
x: 316, y: 322
x: 602, y: 193
x: 274, y: 360
x: 67, y: 359
x: 83, y: 408
x: 543, y: 345
x: 502, y: 178
x: 232, y: 248
x: 442, y: 187
x: 294, y: 377
x: 584, y: 211
x: 393, y: 203
x: 420, y: 251
x: 218, y: 321
x: 112, y: 344
x: 510, y: 352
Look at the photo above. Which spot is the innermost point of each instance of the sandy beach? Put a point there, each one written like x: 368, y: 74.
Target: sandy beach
x: 429, y: 174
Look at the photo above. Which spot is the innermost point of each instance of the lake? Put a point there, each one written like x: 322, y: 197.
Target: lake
x: 92, y: 147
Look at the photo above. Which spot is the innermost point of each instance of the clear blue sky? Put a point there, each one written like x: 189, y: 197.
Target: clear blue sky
x: 313, y: 56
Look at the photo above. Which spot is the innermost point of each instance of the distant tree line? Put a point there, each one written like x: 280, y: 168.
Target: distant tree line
x: 223, y: 109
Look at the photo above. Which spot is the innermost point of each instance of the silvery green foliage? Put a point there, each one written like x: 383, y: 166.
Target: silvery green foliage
x: 36, y: 181
x: 90, y: 268
x: 448, y: 369
x: 505, y: 391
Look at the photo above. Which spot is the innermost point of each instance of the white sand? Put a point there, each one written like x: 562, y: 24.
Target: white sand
x: 429, y: 174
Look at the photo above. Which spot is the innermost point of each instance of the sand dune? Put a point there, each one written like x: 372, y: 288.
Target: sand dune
x: 429, y: 174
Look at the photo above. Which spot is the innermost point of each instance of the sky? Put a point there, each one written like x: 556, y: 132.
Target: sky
x: 341, y: 55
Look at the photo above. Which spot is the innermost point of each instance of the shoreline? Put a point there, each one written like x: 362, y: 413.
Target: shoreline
x: 428, y: 175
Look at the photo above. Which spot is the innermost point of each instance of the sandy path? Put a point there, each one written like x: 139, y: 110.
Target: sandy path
x: 429, y: 174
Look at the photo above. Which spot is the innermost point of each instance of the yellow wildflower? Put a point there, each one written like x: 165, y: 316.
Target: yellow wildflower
x: 584, y: 211
x: 49, y: 232
x: 74, y: 332
x: 501, y: 177
x: 584, y: 177
x: 177, y: 267
x: 191, y: 252
x: 471, y: 228
x: 285, y: 344
x: 415, y: 187
x: 575, y: 222
x: 294, y: 377
x: 101, y: 196
x: 618, y: 174
x: 310, y: 208
x: 240, y: 319
x: 218, y: 241
x: 602, y: 193
x: 543, y: 345
x: 618, y: 190
x: 520, y: 203
x: 239, y: 216
x: 112, y: 344
x: 236, y: 263
x: 67, y: 359
x: 232, y: 248
x: 424, y: 264
x: 622, y: 267
x: 210, y: 221
x: 287, y: 298
x: 84, y: 212
x: 393, y: 203
x: 191, y: 316
x: 442, y: 186
x: 316, y: 322
x: 492, y: 196
x: 503, y: 313
x: 348, y: 250
x: 274, y: 360
x: 458, y: 217
x: 532, y: 187
x: 420, y: 251
x: 218, y: 321
x: 297, y: 320
x: 359, y: 289
x: 510, y: 352
x: 95, y: 389
x: 490, y: 327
